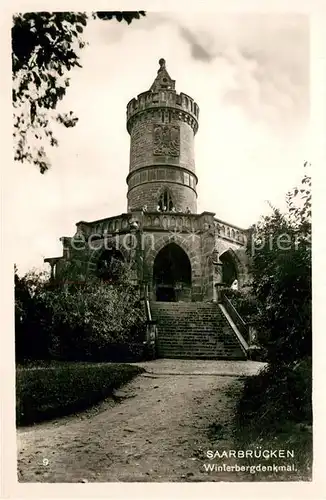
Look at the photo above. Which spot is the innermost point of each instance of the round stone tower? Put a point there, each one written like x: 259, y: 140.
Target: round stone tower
x: 162, y: 125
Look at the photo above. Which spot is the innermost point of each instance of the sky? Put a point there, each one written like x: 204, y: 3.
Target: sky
x: 249, y: 74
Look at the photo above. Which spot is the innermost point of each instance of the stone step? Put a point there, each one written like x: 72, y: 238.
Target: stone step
x: 194, y: 330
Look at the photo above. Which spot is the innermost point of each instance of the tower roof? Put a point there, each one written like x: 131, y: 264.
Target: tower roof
x: 163, y: 81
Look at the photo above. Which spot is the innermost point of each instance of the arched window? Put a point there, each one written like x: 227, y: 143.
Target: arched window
x: 165, y: 203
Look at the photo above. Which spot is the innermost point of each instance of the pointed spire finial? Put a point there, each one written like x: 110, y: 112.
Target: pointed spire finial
x: 163, y: 81
x: 162, y: 64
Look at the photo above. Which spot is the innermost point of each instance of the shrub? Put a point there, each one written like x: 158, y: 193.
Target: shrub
x: 281, y: 276
x: 279, y: 394
x: 32, y: 317
x: 95, y: 321
x: 75, y: 320
x: 245, y: 303
x: 45, y: 393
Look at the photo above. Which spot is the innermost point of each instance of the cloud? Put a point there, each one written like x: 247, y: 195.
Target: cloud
x: 249, y: 76
x: 268, y: 56
x: 198, y: 51
x: 109, y: 32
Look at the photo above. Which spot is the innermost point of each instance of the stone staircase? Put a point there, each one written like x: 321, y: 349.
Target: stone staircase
x: 194, y: 330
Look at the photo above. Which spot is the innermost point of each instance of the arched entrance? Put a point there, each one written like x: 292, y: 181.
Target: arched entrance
x: 229, y: 268
x: 109, y: 265
x: 172, y: 274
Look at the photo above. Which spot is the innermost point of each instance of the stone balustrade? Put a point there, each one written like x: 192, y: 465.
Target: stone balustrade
x: 110, y: 225
x: 229, y: 232
x: 166, y: 221
x: 172, y: 221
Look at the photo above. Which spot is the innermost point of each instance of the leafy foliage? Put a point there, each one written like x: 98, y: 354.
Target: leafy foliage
x: 45, y: 393
x: 276, y: 404
x: 245, y: 304
x: 279, y: 394
x: 91, y: 320
x: 78, y: 319
x: 275, y: 413
x: 281, y: 269
x: 45, y: 47
x: 31, y: 316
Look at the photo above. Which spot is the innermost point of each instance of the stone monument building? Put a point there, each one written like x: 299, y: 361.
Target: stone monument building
x: 180, y: 256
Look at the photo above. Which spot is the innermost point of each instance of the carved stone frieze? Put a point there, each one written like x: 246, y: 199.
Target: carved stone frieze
x: 166, y: 140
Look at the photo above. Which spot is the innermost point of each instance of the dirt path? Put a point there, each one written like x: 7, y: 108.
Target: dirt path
x: 157, y: 432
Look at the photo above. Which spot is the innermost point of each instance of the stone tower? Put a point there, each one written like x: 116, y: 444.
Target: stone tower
x: 179, y: 259
x: 178, y: 253
x: 162, y: 125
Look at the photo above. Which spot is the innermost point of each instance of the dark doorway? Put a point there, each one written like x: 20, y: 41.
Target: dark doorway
x: 172, y: 274
x: 229, y: 271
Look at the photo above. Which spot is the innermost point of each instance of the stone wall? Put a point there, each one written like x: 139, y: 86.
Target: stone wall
x: 149, y: 193
x: 196, y: 234
x: 162, y: 127
x: 190, y: 245
x: 142, y: 143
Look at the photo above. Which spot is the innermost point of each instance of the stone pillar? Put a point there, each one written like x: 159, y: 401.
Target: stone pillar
x: 52, y: 264
x: 138, y: 254
x: 217, y: 279
x: 252, y: 334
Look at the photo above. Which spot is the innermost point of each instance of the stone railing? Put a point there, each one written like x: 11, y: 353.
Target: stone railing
x: 53, y: 261
x: 172, y: 221
x: 242, y: 326
x: 110, y: 225
x: 247, y: 329
x: 230, y: 232
x: 147, y: 220
x: 151, y: 327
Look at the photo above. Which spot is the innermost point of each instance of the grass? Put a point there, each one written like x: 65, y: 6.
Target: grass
x: 291, y: 437
x: 46, y: 392
x: 273, y: 412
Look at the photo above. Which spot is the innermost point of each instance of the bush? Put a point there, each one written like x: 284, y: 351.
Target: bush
x: 32, y: 337
x: 245, y: 304
x: 94, y: 318
x: 278, y: 394
x: 281, y: 276
x: 45, y: 393
x: 78, y: 320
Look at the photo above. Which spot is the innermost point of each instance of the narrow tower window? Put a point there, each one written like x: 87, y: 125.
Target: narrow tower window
x: 165, y: 203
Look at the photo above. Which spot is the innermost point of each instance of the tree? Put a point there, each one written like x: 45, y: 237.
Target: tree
x: 279, y: 397
x: 78, y: 317
x: 45, y: 47
x: 32, y: 338
x: 281, y: 268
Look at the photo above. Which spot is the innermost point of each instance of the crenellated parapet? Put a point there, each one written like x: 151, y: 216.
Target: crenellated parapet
x: 178, y: 254
x: 164, y: 105
x: 162, y: 125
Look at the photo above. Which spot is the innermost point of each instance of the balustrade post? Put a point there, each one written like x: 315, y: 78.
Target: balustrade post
x: 217, y: 278
x: 252, y: 334
x: 219, y: 288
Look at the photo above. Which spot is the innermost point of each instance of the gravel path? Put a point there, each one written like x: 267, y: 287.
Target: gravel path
x: 158, y: 431
x: 200, y: 367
